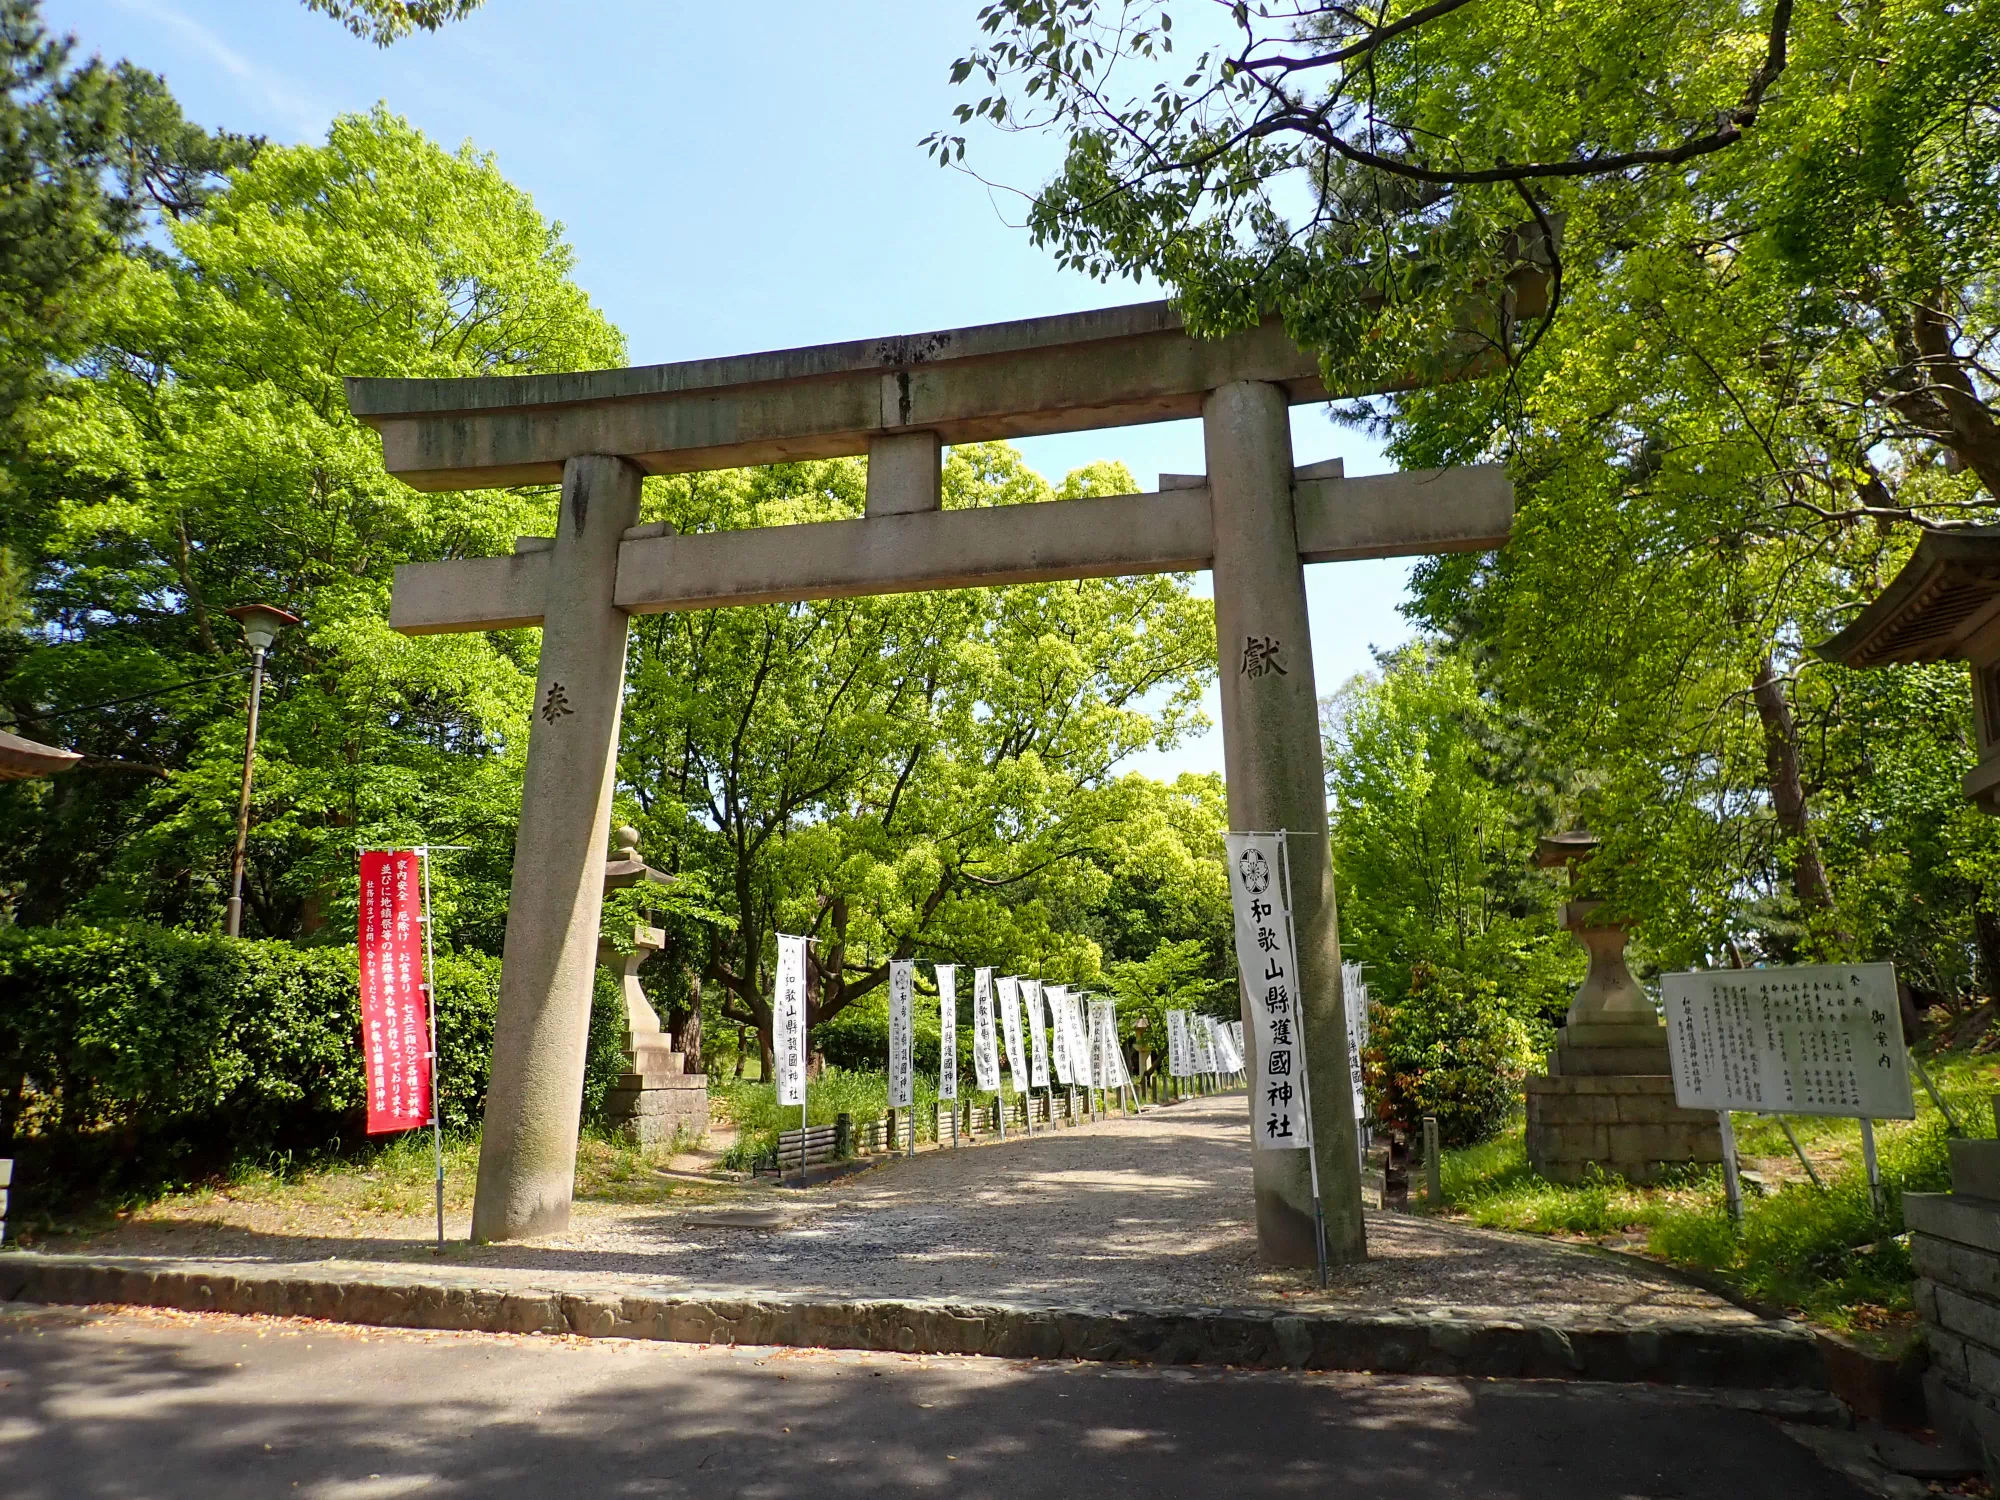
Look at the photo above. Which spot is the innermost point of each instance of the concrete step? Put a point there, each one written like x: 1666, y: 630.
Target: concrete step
x: 1777, y: 1358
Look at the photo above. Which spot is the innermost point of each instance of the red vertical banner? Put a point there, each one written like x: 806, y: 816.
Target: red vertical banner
x: 395, y: 1006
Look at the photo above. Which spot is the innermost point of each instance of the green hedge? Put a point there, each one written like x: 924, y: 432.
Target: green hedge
x: 137, y: 1056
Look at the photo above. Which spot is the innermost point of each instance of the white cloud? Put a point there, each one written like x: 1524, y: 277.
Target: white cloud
x: 288, y: 106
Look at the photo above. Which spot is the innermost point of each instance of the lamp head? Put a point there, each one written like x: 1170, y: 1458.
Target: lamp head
x: 261, y: 624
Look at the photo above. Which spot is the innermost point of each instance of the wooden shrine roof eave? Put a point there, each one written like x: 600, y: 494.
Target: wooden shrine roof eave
x: 1946, y: 593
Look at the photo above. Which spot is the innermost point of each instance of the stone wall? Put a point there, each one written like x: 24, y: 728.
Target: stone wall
x: 1955, y: 1242
x: 1626, y: 1124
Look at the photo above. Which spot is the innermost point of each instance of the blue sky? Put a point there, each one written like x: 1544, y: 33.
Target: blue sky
x: 734, y: 178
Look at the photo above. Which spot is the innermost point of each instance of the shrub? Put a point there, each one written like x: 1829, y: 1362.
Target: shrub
x: 138, y: 1056
x: 1448, y: 1048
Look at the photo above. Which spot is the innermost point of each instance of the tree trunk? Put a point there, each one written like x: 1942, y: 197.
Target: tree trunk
x: 1787, y: 786
x: 1986, y: 938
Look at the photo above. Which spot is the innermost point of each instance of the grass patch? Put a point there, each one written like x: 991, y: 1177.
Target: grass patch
x: 394, y: 1179
x: 1825, y: 1254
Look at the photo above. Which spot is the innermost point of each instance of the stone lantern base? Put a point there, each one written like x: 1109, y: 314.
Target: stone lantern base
x: 1608, y: 1101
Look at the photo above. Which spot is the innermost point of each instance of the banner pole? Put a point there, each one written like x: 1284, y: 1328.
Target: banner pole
x: 430, y: 995
x: 1305, y: 1073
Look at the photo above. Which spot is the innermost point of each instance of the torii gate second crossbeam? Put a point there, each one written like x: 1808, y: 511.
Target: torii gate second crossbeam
x: 1253, y: 520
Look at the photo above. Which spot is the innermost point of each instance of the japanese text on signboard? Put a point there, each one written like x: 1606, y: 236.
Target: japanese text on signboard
x: 1821, y: 1039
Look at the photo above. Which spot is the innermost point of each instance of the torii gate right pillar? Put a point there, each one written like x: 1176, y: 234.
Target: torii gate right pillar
x: 1277, y: 779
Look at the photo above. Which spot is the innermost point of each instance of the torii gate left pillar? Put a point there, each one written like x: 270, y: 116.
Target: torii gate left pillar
x: 1254, y: 519
x: 527, y: 1153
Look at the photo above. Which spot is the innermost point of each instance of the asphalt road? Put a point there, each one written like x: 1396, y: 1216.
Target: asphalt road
x: 163, y: 1405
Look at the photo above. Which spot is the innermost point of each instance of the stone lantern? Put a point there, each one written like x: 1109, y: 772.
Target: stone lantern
x: 1945, y: 606
x: 657, y: 1094
x: 1607, y: 1099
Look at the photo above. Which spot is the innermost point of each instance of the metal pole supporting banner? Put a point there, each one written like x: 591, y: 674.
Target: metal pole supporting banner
x: 1731, y: 1184
x: 1305, y: 1074
x: 431, y: 1004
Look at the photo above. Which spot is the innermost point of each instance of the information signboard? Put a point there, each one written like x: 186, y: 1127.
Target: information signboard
x: 1819, y: 1039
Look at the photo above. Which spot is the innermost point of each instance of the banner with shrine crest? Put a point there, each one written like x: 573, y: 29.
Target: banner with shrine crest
x: 985, y: 1056
x: 902, y: 1000
x: 395, y: 1000
x: 1269, y: 969
x: 788, y: 1021
x: 947, y: 983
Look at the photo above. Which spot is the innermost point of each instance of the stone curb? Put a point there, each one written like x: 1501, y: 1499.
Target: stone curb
x: 1684, y: 1352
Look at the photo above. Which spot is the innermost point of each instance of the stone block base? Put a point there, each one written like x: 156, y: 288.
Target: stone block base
x: 650, y: 1107
x: 1623, y: 1124
x: 1955, y: 1243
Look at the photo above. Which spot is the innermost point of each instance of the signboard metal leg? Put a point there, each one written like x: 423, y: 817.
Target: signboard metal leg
x: 1950, y: 1119
x: 1804, y: 1160
x: 1874, y: 1167
x: 1732, y: 1185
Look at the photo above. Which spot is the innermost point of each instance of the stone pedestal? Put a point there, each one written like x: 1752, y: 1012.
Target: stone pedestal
x: 656, y: 1095
x: 1955, y: 1242
x: 1608, y: 1097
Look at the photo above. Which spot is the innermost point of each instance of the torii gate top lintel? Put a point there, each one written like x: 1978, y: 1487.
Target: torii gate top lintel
x: 900, y: 401
x: 1070, y: 372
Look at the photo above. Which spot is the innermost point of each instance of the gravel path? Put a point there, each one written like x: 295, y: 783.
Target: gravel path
x: 1132, y: 1212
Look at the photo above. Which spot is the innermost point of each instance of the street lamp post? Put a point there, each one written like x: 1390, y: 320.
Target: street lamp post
x: 261, y: 624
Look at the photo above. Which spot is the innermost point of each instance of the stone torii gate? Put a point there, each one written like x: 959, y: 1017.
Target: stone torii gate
x: 1253, y: 520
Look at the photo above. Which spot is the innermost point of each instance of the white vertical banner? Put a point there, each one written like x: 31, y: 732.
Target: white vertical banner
x: 1354, y: 994
x: 985, y: 1057
x: 1177, y: 1045
x: 1038, y: 1037
x: 902, y: 997
x: 947, y: 983
x: 1104, y: 1045
x: 1058, y: 998
x: 1010, y: 1032
x: 1225, y: 1048
x: 1270, y: 982
x: 1236, y: 1041
x: 1100, y: 1063
x: 1203, y: 1037
x: 1079, y: 1043
x: 788, y: 1020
